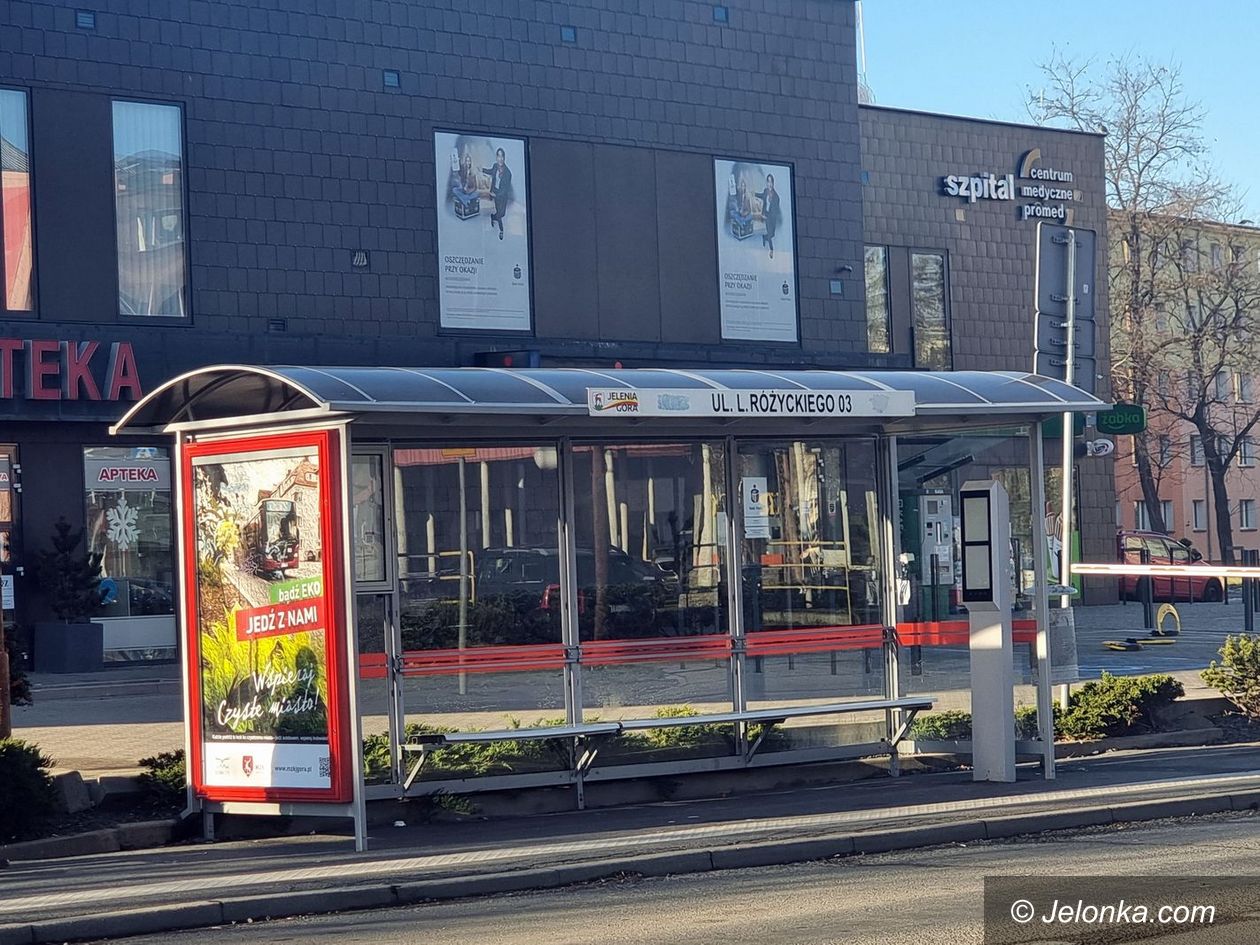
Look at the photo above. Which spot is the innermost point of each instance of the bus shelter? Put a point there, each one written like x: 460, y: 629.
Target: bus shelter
x: 401, y: 581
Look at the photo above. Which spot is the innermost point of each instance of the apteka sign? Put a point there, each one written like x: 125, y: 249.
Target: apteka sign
x: 68, y: 370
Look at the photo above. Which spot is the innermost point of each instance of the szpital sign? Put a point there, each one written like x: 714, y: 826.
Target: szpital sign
x: 1043, y: 191
x: 658, y: 402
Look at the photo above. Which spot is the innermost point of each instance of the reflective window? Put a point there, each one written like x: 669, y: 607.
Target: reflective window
x: 368, y: 499
x: 810, y: 537
x: 149, y: 209
x: 15, y: 204
x: 878, y: 336
x: 129, y: 524
x: 651, y: 539
x: 932, y: 346
x: 478, y: 552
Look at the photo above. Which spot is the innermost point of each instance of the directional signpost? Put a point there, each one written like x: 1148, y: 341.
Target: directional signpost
x: 1064, y: 339
x: 1065, y: 256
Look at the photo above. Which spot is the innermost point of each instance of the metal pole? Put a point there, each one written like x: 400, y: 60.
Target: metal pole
x: 463, y: 573
x: 1041, y: 604
x: 1069, y: 375
x: 1248, y: 592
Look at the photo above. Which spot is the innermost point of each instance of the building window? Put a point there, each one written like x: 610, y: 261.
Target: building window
x: 128, y: 499
x: 1246, y: 451
x: 1141, y: 520
x: 1161, y: 317
x: 1165, y: 450
x: 1242, y: 388
x: 1247, y: 513
x: 15, y: 204
x: 1119, y: 516
x: 932, y: 347
x: 1221, y: 381
x: 149, y: 209
x: 878, y: 332
x: 1166, y: 512
x: 1218, y: 257
x: 1198, y: 513
x: 1196, y: 450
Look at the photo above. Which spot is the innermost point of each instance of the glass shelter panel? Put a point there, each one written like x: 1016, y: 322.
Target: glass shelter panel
x: 810, y: 543
x: 810, y: 570
x: 650, y: 526
x: 933, y: 629
x: 479, y: 584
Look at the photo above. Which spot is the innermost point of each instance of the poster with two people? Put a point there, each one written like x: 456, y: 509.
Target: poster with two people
x: 483, y: 232
x: 756, y: 250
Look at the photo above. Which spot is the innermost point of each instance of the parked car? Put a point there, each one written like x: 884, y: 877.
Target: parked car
x: 1164, y: 549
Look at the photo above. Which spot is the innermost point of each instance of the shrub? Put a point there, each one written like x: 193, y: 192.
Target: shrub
x: 948, y: 726
x: 1026, y: 723
x: 955, y: 725
x: 1237, y: 676
x: 1117, y: 705
x: 164, y: 778
x: 681, y: 736
x: 26, y: 790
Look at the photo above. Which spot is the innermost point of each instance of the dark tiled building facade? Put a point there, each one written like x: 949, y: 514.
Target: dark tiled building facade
x: 298, y: 221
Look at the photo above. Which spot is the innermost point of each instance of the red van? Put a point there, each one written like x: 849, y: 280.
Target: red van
x: 1164, y: 549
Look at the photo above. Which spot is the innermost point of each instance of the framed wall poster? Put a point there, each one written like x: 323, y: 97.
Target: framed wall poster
x: 756, y: 251
x: 264, y: 619
x: 483, y: 232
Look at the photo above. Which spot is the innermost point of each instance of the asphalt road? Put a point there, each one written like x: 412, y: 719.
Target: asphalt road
x: 922, y: 896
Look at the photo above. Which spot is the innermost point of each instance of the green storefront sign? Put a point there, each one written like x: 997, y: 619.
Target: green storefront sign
x: 1121, y: 419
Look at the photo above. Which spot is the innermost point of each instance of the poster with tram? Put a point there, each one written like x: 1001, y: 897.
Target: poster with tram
x: 264, y: 626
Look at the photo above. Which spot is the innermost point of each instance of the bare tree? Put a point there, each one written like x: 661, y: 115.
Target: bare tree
x: 1181, y: 311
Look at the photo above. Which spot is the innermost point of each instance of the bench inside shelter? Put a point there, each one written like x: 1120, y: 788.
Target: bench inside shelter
x: 587, y: 737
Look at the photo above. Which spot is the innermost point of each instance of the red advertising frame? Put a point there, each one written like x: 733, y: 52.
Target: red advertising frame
x: 327, y: 445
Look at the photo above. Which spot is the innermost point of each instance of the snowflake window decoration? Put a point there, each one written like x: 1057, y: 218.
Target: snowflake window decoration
x: 121, y: 520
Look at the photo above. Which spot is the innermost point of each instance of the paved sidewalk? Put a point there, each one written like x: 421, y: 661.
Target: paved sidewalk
x: 104, y: 723
x: 214, y: 883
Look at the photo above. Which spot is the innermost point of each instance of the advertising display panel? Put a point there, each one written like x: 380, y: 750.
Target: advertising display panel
x: 756, y: 245
x: 483, y: 232
x: 264, y: 619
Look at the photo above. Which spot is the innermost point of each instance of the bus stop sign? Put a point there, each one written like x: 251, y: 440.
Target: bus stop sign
x: 1121, y: 419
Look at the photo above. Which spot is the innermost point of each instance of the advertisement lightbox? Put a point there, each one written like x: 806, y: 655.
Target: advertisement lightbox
x: 264, y: 619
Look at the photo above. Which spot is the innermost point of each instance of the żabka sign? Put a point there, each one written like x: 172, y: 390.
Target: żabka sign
x: 69, y: 370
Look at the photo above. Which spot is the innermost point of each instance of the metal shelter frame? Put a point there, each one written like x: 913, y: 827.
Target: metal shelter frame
x: 378, y: 408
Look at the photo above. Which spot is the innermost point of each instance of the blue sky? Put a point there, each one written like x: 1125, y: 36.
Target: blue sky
x: 977, y: 57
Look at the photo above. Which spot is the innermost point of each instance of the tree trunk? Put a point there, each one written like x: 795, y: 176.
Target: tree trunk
x: 1150, y: 490
x: 1220, y: 507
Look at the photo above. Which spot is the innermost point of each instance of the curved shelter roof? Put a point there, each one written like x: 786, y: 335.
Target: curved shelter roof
x: 250, y: 393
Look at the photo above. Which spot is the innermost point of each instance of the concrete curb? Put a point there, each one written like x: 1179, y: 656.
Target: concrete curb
x: 285, y: 904
x: 133, y: 836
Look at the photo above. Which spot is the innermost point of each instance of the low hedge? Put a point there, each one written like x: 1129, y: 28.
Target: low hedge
x: 1117, y: 705
x: 954, y: 725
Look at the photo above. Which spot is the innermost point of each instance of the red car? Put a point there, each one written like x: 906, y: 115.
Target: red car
x: 1164, y: 549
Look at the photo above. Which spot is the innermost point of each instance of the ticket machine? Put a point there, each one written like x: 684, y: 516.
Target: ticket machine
x: 927, y: 526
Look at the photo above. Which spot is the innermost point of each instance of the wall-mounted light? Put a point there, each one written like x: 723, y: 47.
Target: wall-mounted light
x: 568, y: 34
x: 721, y: 15
x: 359, y: 259
x: 392, y: 79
